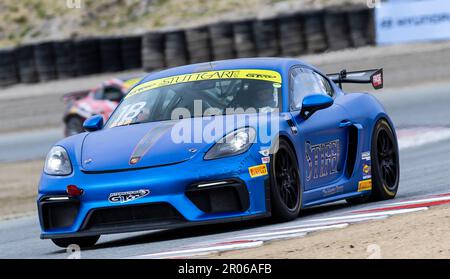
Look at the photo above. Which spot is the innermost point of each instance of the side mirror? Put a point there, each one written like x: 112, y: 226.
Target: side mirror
x: 313, y: 103
x: 93, y: 123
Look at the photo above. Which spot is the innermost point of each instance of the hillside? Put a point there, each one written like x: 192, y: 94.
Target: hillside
x: 33, y: 20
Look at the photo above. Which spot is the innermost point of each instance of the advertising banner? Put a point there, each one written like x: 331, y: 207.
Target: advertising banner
x: 412, y: 21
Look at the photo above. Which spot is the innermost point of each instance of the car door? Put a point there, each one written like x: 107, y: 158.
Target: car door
x: 323, y: 137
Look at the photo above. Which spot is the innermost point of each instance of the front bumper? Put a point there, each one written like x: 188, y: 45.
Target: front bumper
x: 172, y: 187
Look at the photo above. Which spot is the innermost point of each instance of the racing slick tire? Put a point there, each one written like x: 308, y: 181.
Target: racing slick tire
x: 385, y: 162
x: 292, y: 41
x: 337, y: 29
x: 8, y: 69
x: 385, y: 165
x: 131, y: 52
x: 83, y: 242
x: 285, y: 190
x: 87, y: 56
x: 152, y: 52
x: 222, y: 41
x: 45, y: 62
x: 175, y: 49
x: 74, y: 125
x: 360, y: 28
x: 243, y: 39
x: 26, y: 64
x: 198, y: 44
x: 110, y: 49
x: 65, y: 59
x: 314, y: 31
x: 266, y: 34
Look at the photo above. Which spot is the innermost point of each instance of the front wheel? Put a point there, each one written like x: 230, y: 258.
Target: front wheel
x: 285, y: 184
x: 74, y: 125
x: 86, y: 241
x: 385, y: 162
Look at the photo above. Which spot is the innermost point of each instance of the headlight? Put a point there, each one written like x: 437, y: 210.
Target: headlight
x: 57, y: 162
x: 234, y: 143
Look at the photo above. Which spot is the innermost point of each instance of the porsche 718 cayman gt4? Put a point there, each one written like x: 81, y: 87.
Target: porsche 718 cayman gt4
x: 218, y: 142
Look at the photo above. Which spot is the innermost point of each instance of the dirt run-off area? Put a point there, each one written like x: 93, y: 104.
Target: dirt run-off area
x: 18, y: 188
x: 424, y: 234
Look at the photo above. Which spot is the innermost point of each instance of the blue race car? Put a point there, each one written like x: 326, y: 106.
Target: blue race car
x: 218, y: 142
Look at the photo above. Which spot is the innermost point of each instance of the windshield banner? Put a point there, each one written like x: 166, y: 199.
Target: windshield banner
x: 256, y: 74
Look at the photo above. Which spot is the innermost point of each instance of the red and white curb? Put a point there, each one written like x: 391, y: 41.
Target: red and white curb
x: 202, y: 250
x: 409, y: 204
x: 256, y: 239
x: 417, y: 136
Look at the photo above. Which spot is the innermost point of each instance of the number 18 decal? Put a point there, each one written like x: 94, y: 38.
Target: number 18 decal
x: 128, y: 113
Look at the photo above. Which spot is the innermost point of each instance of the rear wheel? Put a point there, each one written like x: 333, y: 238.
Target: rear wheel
x: 285, y: 184
x: 86, y: 241
x: 385, y: 165
x: 74, y: 125
x: 385, y: 162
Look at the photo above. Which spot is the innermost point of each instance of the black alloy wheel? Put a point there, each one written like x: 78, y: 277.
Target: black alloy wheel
x: 286, y: 187
x: 74, y: 125
x: 385, y: 162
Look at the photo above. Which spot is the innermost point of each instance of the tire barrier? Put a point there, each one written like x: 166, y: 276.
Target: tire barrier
x: 65, y: 59
x: 266, y: 37
x: 131, y: 52
x: 198, y: 44
x: 26, y: 64
x: 289, y: 35
x: 362, y: 32
x: 292, y: 38
x: 110, y: 49
x: 222, y: 41
x: 8, y: 69
x: 153, y: 51
x: 316, y: 40
x: 175, y: 49
x: 45, y: 61
x: 337, y: 29
x: 87, y: 56
x: 244, y: 41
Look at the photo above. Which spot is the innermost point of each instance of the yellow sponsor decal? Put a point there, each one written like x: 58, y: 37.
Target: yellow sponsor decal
x: 73, y: 110
x: 131, y: 82
x: 365, y: 185
x: 258, y: 170
x: 366, y: 169
x: 121, y: 123
x: 256, y: 74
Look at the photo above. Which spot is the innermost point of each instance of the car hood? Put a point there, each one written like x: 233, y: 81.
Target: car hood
x: 136, y: 146
x: 153, y: 144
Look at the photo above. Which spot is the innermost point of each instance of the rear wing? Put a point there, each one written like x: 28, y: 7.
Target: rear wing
x: 375, y: 77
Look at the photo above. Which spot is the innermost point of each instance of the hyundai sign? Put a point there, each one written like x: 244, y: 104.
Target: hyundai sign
x: 413, y: 21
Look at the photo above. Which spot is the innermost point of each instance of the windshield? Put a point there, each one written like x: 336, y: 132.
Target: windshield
x: 200, y: 94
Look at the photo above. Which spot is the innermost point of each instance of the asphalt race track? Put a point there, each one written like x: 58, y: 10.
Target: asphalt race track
x: 420, y: 113
x: 33, y: 145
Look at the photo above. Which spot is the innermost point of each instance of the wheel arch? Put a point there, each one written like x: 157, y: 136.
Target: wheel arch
x: 288, y: 139
x: 70, y: 115
x: 382, y: 116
